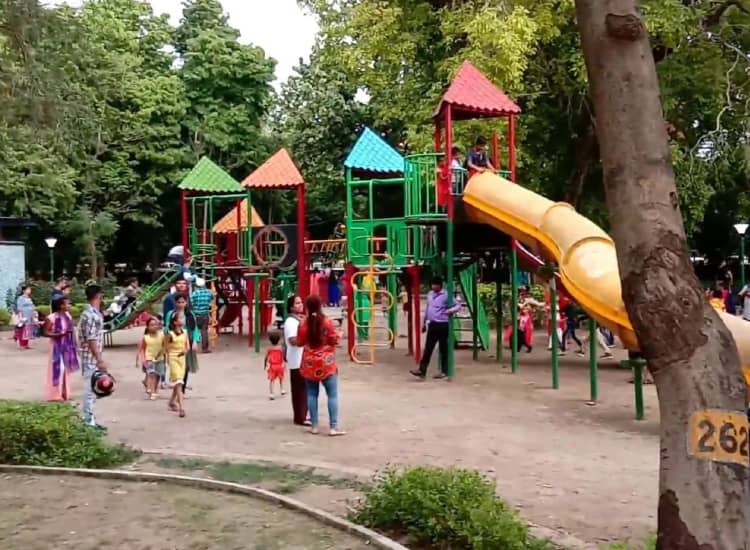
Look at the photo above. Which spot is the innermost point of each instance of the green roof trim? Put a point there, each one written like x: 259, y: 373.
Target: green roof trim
x: 372, y: 153
x: 206, y: 176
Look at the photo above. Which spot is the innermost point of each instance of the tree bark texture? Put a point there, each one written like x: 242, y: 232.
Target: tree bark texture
x: 702, y: 504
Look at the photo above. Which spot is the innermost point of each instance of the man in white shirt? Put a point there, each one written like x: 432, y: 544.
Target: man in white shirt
x: 293, y: 358
x: 745, y: 295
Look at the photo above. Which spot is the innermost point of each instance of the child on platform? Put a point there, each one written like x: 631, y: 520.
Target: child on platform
x: 151, y: 357
x: 274, y: 364
x: 176, y: 347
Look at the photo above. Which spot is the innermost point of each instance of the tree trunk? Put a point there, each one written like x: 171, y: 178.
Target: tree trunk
x: 702, y: 503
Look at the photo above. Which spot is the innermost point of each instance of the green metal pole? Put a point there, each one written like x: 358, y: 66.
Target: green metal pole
x: 475, y: 313
x: 637, y: 365
x: 450, y: 288
x: 742, y: 262
x: 393, y: 310
x: 514, y: 310
x: 256, y: 315
x: 593, y: 363
x: 555, y: 343
x: 52, y: 265
x: 499, y: 320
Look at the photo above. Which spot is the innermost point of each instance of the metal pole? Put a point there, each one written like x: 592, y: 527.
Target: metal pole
x: 52, y: 265
x: 475, y: 313
x: 449, y: 245
x: 555, y: 343
x: 499, y: 318
x: 393, y: 310
x: 593, y: 363
x: 637, y: 365
x: 514, y: 310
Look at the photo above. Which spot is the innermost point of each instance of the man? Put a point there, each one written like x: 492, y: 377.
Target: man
x: 477, y: 160
x: 200, y: 301
x: 58, y: 292
x: 437, y: 325
x: 176, y: 255
x: 90, y: 338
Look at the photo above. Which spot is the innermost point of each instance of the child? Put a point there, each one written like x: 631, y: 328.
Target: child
x: 151, y: 356
x: 525, y: 329
x: 274, y: 364
x: 175, y: 347
x: 717, y: 301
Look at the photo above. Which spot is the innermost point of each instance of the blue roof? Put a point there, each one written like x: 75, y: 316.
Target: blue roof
x: 373, y: 154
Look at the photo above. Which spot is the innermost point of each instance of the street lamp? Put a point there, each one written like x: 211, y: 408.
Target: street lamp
x: 51, y: 242
x: 741, y: 228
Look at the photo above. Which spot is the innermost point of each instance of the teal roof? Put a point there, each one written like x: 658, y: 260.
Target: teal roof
x: 210, y: 177
x: 373, y: 154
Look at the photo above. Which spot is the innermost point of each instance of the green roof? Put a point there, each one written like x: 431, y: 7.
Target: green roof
x: 210, y: 177
x: 373, y: 154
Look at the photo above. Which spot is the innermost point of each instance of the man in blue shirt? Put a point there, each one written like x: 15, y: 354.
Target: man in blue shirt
x: 477, y: 159
x: 200, y: 302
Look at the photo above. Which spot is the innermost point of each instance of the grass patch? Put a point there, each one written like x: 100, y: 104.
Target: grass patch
x: 444, y: 508
x: 290, y: 480
x: 53, y: 434
x: 649, y: 543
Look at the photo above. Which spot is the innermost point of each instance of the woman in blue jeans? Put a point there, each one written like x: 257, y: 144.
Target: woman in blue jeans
x: 319, y: 338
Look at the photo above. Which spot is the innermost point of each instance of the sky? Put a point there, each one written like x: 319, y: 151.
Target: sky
x: 285, y: 32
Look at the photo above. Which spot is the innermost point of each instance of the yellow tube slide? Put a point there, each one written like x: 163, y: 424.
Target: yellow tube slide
x: 584, y: 253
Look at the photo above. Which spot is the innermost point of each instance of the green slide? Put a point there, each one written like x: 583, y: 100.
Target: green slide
x: 149, y: 295
x: 462, y: 325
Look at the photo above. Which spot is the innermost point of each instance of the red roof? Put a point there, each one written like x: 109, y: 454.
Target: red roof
x: 472, y: 95
x: 279, y: 172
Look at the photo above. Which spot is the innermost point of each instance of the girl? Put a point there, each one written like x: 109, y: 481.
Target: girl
x: 151, y: 356
x: 63, y: 358
x: 274, y: 364
x: 525, y: 329
x: 190, y: 325
x: 176, y: 347
x: 25, y: 318
x: 319, y: 339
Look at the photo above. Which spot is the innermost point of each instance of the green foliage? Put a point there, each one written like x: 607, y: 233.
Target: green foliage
x: 53, y: 434
x: 649, y: 543
x: 4, y: 317
x: 442, y: 508
x: 488, y: 295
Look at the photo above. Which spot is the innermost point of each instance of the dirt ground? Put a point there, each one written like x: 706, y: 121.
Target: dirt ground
x: 586, y: 470
x: 40, y: 513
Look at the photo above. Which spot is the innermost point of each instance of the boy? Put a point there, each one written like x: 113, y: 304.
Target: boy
x: 478, y: 161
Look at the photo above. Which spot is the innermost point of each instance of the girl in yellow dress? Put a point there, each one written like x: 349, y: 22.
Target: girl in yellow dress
x: 151, y: 357
x: 176, y: 346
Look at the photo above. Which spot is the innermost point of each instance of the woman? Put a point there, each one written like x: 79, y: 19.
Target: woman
x: 293, y: 358
x: 182, y: 307
x: 63, y: 360
x: 25, y: 317
x: 319, y: 339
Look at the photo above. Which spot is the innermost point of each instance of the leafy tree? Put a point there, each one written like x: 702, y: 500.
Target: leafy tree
x: 319, y: 118
x: 94, y: 233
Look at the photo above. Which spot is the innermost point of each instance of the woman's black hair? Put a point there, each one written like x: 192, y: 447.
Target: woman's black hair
x: 314, y: 321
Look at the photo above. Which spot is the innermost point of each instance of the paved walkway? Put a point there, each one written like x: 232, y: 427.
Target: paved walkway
x: 590, y: 471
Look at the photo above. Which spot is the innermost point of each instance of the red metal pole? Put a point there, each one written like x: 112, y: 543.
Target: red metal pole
x: 184, y: 219
x: 250, y: 293
x: 351, y: 333
x: 417, y: 315
x: 512, y: 147
x: 448, y: 154
x: 495, y: 151
x: 238, y: 241
x: 303, y: 284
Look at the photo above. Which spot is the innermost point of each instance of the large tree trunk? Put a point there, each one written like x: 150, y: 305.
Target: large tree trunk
x: 702, y: 503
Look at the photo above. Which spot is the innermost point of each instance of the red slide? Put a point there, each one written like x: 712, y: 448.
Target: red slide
x: 230, y: 315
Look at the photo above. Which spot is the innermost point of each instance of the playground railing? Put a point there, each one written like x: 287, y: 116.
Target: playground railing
x: 421, y: 194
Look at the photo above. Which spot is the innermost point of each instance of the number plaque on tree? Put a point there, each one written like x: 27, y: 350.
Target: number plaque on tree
x: 718, y: 435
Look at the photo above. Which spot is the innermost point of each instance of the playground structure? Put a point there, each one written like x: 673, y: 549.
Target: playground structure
x: 487, y: 214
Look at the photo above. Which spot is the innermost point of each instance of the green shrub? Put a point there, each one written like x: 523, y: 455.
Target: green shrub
x: 444, y: 507
x: 4, y: 317
x: 488, y: 296
x: 43, y: 310
x: 53, y: 434
x: 76, y: 310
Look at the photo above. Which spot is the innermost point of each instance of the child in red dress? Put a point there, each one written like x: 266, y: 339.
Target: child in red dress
x: 274, y: 364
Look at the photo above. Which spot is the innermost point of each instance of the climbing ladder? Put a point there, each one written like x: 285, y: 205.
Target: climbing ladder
x: 462, y: 324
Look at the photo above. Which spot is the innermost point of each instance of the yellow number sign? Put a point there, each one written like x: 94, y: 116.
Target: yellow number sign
x: 719, y: 435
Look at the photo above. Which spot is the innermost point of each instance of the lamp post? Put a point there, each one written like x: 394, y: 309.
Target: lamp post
x: 51, y: 242
x: 741, y: 228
